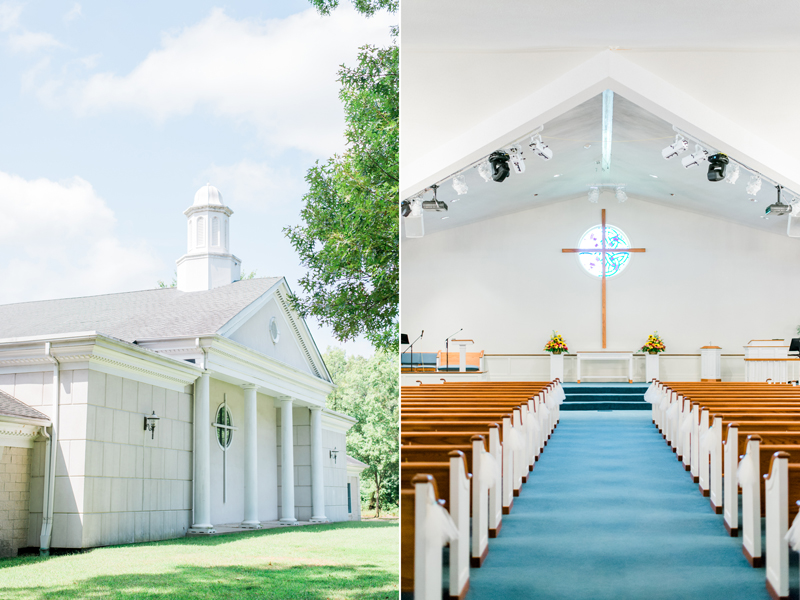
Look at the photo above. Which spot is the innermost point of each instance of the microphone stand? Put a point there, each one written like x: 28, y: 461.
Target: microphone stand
x: 412, y: 349
x: 447, y: 347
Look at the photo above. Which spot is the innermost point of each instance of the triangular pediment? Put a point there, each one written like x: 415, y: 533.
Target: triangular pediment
x: 271, y: 327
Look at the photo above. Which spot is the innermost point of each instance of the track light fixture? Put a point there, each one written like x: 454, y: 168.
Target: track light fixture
x: 733, y: 174
x: 779, y: 208
x: 621, y: 195
x: 716, y: 166
x: 413, y: 221
x: 696, y: 158
x: 405, y: 208
x: 434, y: 203
x: 499, y: 162
x: 754, y: 185
x: 594, y: 194
x: 539, y: 148
x: 485, y: 171
x: 679, y: 146
x: 460, y: 184
x: 517, y: 160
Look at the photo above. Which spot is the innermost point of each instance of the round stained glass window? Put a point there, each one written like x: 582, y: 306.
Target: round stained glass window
x: 224, y: 427
x: 592, y: 259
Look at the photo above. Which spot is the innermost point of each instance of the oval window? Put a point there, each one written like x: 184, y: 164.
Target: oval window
x: 274, y: 332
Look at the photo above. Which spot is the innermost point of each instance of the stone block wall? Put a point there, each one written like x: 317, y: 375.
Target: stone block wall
x: 15, y: 475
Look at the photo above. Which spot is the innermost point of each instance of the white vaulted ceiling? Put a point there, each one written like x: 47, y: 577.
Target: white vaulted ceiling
x: 514, y: 26
x: 638, y: 138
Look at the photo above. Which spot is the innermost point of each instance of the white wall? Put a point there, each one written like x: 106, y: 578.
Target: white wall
x: 507, y: 283
x: 232, y: 510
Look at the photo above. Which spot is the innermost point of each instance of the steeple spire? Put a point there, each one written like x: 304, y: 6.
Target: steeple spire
x: 208, y: 262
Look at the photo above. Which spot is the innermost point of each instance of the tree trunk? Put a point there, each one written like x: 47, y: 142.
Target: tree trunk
x: 377, y: 496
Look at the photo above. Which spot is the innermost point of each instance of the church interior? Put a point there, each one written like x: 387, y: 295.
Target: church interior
x: 600, y: 363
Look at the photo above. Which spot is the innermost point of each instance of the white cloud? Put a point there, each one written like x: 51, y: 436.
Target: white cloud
x: 278, y: 75
x: 73, y: 13
x: 20, y: 39
x: 28, y: 41
x: 59, y: 241
x: 9, y: 15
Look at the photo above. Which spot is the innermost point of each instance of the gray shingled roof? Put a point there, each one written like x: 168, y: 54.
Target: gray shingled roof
x: 11, y: 407
x: 130, y: 316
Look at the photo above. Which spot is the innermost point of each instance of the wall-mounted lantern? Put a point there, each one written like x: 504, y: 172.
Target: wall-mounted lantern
x: 333, y: 454
x: 150, y: 424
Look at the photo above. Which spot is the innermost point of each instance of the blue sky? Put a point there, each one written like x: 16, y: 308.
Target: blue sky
x: 113, y: 114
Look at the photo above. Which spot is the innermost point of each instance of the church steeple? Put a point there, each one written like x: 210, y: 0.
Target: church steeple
x: 208, y: 262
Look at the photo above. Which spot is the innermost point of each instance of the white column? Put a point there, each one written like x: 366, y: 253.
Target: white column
x: 287, y: 463
x: 251, y: 519
x: 202, y: 465
x: 317, y: 480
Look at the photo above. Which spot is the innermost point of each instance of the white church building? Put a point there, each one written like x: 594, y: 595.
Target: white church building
x: 148, y: 415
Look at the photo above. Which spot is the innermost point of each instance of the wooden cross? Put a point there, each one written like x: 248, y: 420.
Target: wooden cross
x: 228, y: 429
x: 603, y: 252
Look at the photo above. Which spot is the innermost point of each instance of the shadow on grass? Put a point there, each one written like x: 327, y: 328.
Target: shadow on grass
x: 207, y: 583
x: 227, y: 538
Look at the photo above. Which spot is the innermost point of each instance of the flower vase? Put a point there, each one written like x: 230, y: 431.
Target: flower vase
x: 556, y: 366
x: 651, y: 367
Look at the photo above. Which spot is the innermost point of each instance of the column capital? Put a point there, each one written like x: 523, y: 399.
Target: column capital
x: 285, y: 399
x: 316, y: 408
x: 249, y: 386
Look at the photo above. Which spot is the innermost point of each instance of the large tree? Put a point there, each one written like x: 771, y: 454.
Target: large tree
x: 368, y: 390
x: 348, y: 240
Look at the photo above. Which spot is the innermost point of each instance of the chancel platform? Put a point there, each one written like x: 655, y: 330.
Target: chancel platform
x: 604, y: 355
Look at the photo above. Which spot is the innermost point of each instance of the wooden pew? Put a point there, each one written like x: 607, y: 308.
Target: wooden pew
x: 425, y: 555
x: 782, y: 489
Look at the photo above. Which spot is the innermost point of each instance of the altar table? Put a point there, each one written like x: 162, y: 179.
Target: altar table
x: 604, y: 355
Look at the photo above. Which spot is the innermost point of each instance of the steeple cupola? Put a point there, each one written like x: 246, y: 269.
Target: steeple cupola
x: 208, y: 262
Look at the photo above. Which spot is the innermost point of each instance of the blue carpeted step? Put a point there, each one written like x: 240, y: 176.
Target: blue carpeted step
x: 605, y: 406
x: 605, y: 397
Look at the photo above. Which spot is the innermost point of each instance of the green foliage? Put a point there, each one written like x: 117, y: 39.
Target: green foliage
x: 162, y: 284
x: 348, y: 241
x: 174, y: 283
x: 365, y: 7
x: 368, y: 390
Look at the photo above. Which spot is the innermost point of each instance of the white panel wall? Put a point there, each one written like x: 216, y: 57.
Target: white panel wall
x: 335, y: 474
x: 268, y: 456
x: 702, y: 280
x: 138, y: 487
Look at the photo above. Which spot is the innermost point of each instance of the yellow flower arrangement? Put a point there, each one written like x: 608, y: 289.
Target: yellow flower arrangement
x: 654, y: 344
x: 556, y: 344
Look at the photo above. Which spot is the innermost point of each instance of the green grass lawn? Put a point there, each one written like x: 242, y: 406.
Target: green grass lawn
x: 341, y: 560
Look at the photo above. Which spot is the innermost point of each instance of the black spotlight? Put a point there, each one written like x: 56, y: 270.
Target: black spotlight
x: 405, y: 208
x: 716, y: 167
x: 499, y: 162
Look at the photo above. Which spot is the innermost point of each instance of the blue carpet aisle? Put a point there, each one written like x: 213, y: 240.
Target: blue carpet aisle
x: 609, y: 513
